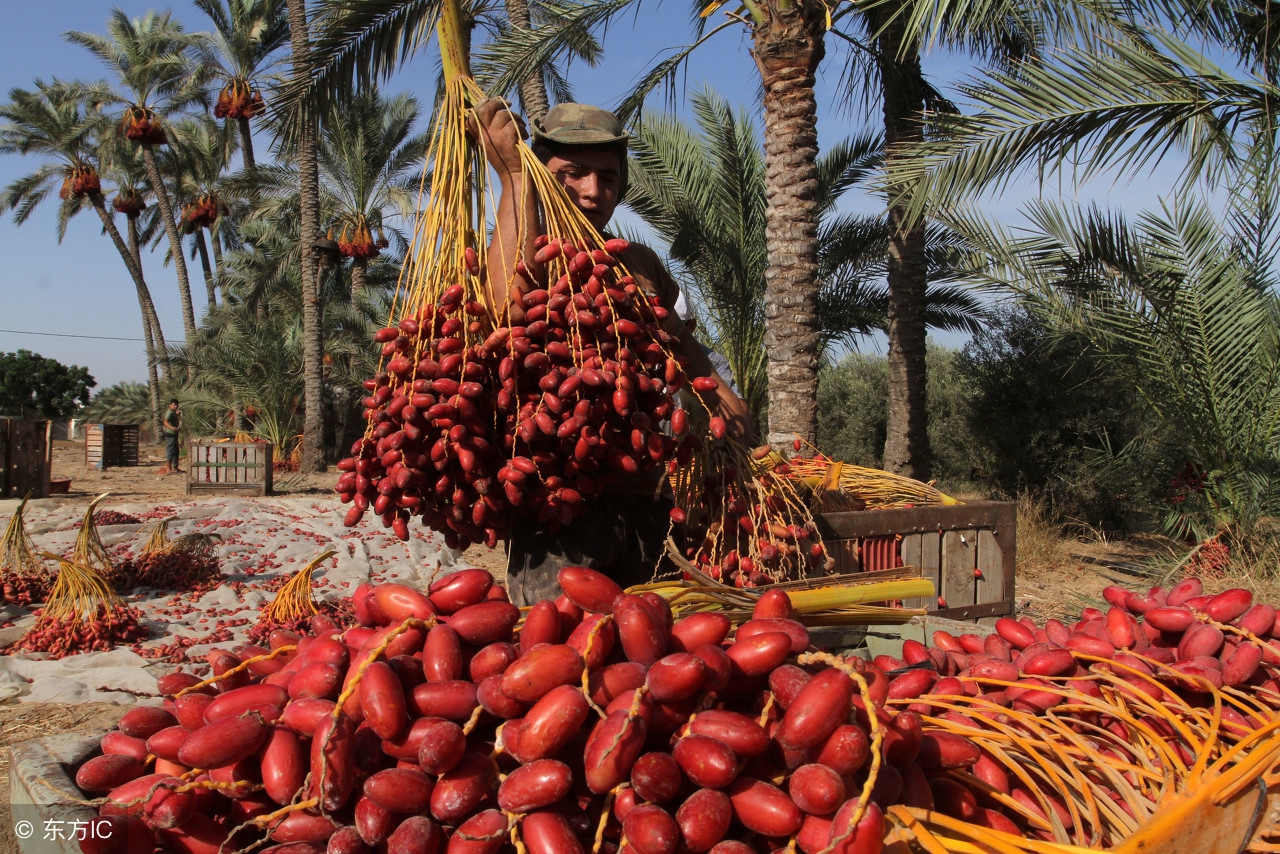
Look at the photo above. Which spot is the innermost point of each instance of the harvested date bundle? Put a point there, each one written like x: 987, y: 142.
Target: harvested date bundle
x: 531, y: 419
x: 606, y: 725
x: 833, y: 486
x: 436, y: 727
x: 477, y: 415
x: 293, y: 607
x: 89, y: 550
x: 114, y: 517
x: 82, y: 614
x: 157, y: 537
x: 24, y: 576
x: 188, y: 563
x: 750, y: 526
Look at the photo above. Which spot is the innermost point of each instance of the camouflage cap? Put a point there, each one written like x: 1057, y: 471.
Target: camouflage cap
x: 580, y: 124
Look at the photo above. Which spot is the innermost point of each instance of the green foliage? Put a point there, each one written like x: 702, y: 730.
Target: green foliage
x: 852, y: 420
x: 1048, y: 416
x: 1184, y: 308
x: 33, y: 386
x: 851, y: 409
x: 122, y: 403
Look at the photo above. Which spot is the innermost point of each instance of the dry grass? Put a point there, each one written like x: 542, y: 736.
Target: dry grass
x: 1060, y: 572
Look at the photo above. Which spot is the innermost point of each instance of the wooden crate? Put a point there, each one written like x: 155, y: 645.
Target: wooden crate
x: 229, y: 467
x: 26, y: 452
x: 110, y: 446
x: 947, y: 544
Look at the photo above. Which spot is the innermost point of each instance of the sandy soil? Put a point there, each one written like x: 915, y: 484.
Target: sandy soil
x: 25, y: 721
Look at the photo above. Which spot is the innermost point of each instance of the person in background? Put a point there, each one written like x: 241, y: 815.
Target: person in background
x: 623, y: 532
x: 172, y: 424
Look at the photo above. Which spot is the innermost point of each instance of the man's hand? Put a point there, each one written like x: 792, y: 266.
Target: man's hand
x: 499, y: 132
x: 733, y: 409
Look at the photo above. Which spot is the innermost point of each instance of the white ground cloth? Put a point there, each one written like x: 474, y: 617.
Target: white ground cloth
x: 261, y: 539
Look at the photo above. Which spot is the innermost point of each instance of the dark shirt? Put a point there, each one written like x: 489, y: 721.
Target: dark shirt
x: 172, y: 421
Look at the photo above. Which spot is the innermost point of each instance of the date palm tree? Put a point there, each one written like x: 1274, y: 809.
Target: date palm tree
x: 702, y: 190
x: 1180, y: 303
x: 313, y: 456
x: 52, y: 123
x: 239, y: 53
x: 370, y: 173
x: 121, y: 165
x: 150, y: 57
x: 201, y: 151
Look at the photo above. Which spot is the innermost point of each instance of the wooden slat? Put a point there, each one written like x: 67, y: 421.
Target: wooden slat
x: 1006, y: 531
x: 879, y: 523
x: 93, y: 441
x: 959, y: 558
x: 845, y: 553
x: 27, y: 458
x: 229, y: 467
x: 991, y: 562
x: 911, y: 544
x: 975, y: 612
x: 947, y: 543
x: 931, y: 563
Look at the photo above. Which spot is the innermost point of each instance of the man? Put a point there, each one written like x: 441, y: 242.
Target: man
x: 585, y: 149
x: 172, y: 424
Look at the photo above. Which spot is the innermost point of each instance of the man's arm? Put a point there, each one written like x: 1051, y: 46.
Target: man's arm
x: 722, y: 401
x: 517, y: 221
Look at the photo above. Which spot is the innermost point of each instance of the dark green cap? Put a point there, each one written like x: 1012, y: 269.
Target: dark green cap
x: 580, y: 124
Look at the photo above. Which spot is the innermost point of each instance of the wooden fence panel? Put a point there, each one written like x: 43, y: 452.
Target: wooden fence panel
x: 229, y: 467
x: 27, y: 458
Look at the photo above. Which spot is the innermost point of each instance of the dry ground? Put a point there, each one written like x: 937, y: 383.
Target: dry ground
x: 25, y: 721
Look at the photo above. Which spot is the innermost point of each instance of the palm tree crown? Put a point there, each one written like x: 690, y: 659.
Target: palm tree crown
x: 238, y: 54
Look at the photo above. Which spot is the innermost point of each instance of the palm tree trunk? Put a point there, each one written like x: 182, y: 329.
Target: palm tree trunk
x: 175, y: 240
x: 309, y: 192
x: 359, y: 266
x: 788, y: 47
x: 246, y: 142
x: 153, y: 371
x: 533, y: 90
x: 149, y: 306
x: 203, y: 248
x: 158, y: 355
x: 215, y: 245
x: 144, y: 298
x: 906, y: 446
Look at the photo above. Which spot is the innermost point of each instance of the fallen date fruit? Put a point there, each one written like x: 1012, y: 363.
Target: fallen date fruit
x: 708, y: 763
x: 819, y: 707
x: 223, y: 742
x: 534, y: 674
x: 106, y: 772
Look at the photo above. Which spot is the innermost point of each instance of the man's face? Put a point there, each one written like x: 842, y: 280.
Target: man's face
x: 592, y: 176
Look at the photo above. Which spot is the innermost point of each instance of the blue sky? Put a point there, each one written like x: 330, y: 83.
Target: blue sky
x: 81, y: 288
